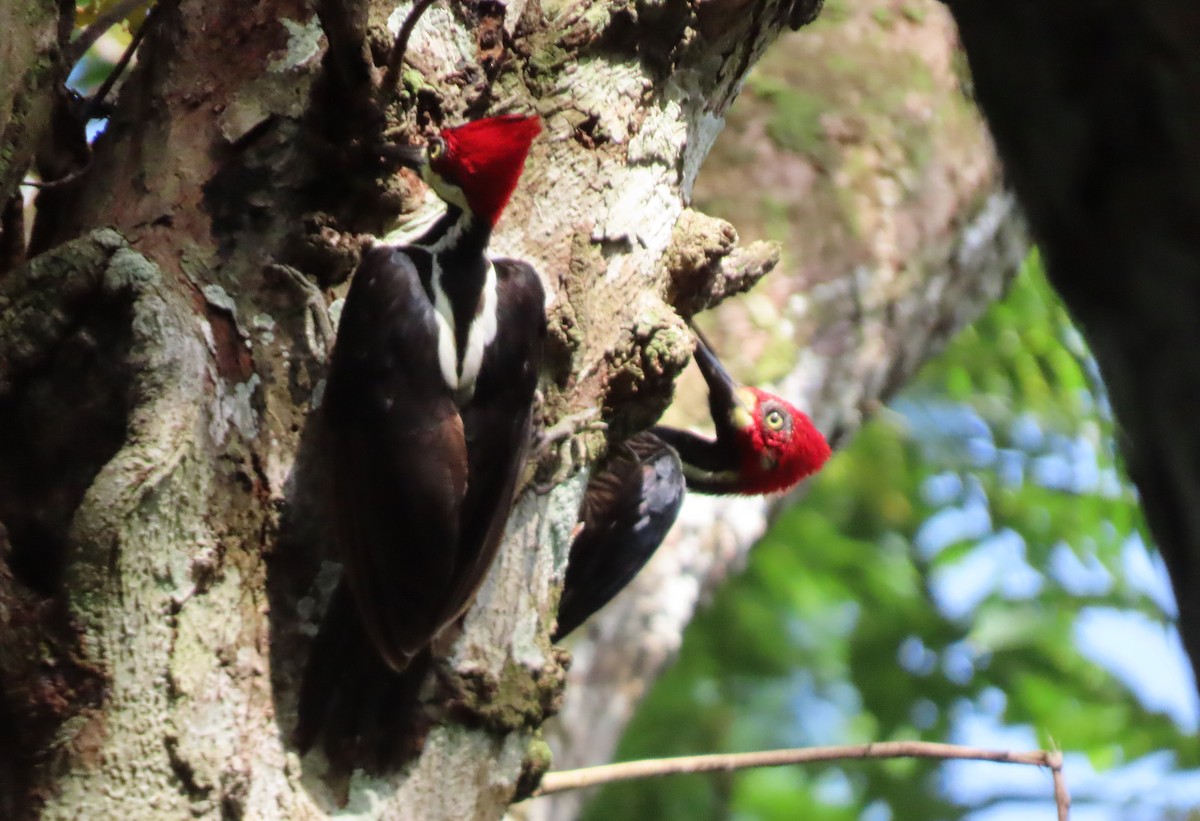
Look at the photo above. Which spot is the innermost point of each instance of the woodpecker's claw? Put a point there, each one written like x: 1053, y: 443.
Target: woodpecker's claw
x: 317, y: 326
x: 565, y: 431
x: 568, y: 426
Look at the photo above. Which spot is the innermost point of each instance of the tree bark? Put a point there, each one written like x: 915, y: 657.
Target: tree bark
x: 1093, y: 108
x: 30, y: 68
x: 165, y: 546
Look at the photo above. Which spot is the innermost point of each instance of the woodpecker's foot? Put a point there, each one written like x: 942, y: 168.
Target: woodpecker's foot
x: 564, y: 435
x: 317, y: 326
x: 566, y: 428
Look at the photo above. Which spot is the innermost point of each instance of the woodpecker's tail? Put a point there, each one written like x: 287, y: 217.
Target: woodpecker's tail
x: 365, y: 714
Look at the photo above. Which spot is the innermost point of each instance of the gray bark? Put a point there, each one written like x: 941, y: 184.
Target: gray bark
x: 164, y: 535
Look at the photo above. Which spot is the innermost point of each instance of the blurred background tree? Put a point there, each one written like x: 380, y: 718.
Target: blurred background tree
x: 972, y: 568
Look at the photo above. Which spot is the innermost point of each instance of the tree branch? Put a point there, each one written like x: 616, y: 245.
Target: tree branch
x: 396, y: 58
x: 100, y: 25
x: 96, y: 103
x: 652, y: 767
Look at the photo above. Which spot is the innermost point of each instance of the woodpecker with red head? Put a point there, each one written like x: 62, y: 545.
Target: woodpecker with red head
x: 427, y: 410
x: 763, y: 445
x: 430, y: 393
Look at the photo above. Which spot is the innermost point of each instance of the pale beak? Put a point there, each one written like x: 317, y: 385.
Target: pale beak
x: 406, y: 156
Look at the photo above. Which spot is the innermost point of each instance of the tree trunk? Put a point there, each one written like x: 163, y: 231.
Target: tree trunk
x: 30, y: 68
x: 1094, y: 111
x: 162, y: 571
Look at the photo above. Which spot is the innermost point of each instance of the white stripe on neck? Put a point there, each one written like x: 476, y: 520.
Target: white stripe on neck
x: 483, y: 325
x: 481, y: 334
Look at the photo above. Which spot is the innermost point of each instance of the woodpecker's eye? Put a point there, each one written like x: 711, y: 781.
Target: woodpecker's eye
x: 437, y: 148
x: 774, y: 420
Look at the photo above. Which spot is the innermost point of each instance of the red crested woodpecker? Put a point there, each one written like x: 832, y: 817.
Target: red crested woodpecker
x: 763, y: 445
x: 430, y: 393
x: 427, y: 413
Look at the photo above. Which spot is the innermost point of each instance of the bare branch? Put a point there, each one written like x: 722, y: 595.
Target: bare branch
x: 396, y: 58
x: 101, y: 24
x: 651, y: 767
x: 96, y: 102
x: 1062, y: 797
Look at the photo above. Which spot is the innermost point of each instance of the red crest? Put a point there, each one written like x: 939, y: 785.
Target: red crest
x: 485, y: 159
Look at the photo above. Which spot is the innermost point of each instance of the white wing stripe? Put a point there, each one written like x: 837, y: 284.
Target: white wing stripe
x: 447, y: 350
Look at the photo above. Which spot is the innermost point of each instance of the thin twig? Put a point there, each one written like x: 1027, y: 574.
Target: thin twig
x: 61, y: 182
x: 97, y: 100
x: 396, y: 58
x: 100, y: 25
x: 1062, y: 796
x: 624, y: 771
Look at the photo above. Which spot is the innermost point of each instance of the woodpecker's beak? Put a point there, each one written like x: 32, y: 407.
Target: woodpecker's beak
x: 406, y: 156
x: 725, y: 396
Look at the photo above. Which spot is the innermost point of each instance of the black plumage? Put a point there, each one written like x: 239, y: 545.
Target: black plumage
x: 396, y: 456
x: 421, y: 487
x: 421, y: 490
x: 630, y: 504
x: 425, y: 431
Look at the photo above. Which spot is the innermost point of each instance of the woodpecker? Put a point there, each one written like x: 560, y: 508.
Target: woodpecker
x: 430, y: 393
x: 763, y: 445
x: 425, y: 428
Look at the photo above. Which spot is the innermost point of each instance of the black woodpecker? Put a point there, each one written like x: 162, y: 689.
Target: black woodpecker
x: 425, y: 421
x: 763, y: 445
x: 430, y: 393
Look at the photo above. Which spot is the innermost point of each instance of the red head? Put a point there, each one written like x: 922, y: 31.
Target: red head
x: 477, y: 165
x: 776, y: 443
x: 779, y: 443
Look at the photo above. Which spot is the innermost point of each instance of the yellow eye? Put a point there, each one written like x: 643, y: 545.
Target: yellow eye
x: 774, y: 420
x: 437, y: 147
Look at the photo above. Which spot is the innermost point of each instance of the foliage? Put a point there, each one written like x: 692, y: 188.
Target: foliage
x: 935, y: 573
x: 88, y: 11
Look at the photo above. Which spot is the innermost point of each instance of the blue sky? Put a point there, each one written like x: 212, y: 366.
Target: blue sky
x: 1142, y: 652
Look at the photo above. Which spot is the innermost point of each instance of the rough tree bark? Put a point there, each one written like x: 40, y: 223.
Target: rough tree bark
x: 161, y: 564
x: 1094, y: 109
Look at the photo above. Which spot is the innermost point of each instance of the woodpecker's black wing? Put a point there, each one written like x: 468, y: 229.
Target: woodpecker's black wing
x: 397, y: 457
x: 629, y: 506
x: 496, y: 423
